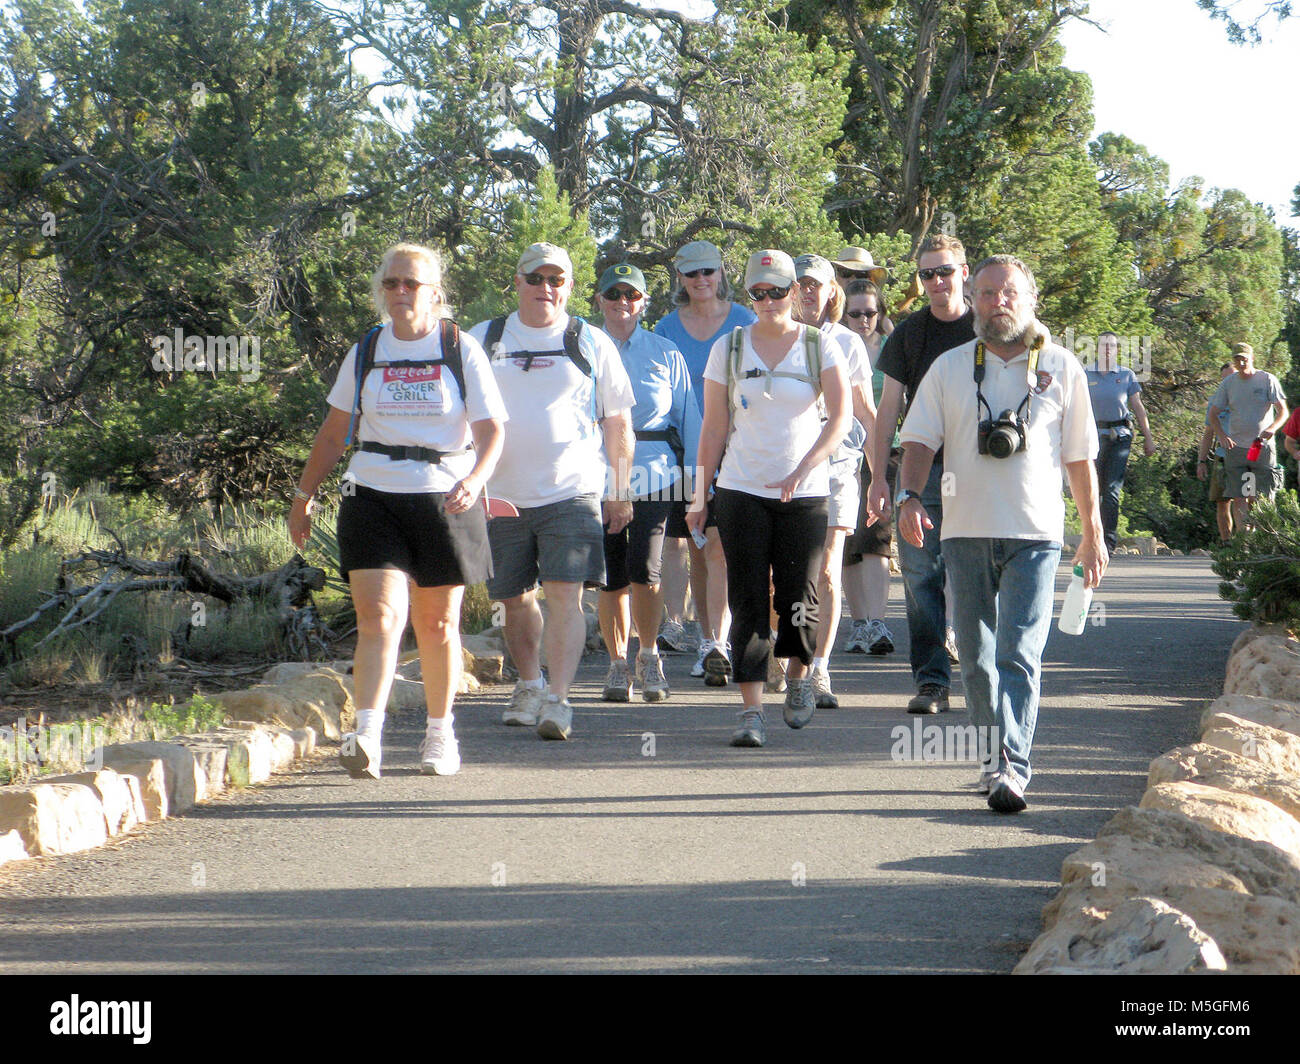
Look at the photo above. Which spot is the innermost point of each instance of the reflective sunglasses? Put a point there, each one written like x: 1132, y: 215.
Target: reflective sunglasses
x: 760, y: 294
x: 855, y: 314
x: 706, y: 271
x: 931, y: 272
x: 406, y: 284
x: 555, y: 280
x: 614, y: 294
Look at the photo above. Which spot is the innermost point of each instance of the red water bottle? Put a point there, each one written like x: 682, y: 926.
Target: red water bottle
x: 1252, y: 453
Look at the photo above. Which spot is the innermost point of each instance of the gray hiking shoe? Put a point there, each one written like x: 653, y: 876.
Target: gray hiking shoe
x: 800, y: 702
x: 752, y: 730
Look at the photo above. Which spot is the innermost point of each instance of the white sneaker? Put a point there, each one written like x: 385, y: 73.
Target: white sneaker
x: 950, y: 645
x: 651, y: 679
x: 556, y: 719
x: 985, y: 783
x: 525, y: 705
x: 439, y: 754
x: 880, y: 640
x: 618, y: 683
x: 857, y: 641
x: 360, y: 755
x: 697, y: 670
x: 673, y: 637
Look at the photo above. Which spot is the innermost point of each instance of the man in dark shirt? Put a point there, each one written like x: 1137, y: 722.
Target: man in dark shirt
x: 921, y: 338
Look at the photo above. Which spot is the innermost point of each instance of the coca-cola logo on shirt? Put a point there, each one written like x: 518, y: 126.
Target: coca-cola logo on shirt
x: 412, y: 374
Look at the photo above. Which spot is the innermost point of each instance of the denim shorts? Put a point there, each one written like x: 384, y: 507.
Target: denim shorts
x: 562, y: 542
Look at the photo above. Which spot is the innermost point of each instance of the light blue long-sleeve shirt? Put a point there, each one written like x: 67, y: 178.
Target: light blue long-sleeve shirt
x: 665, y: 399
x: 696, y: 352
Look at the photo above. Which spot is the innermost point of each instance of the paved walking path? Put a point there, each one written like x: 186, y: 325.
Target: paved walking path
x: 816, y: 853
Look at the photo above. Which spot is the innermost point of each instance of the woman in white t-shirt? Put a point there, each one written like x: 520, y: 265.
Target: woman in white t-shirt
x: 410, y: 531
x: 821, y: 302
x: 771, y: 497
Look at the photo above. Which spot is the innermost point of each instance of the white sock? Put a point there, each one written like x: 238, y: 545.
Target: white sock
x: 533, y: 685
x: 436, y: 725
x: 370, y: 722
x: 819, y: 665
x: 648, y: 655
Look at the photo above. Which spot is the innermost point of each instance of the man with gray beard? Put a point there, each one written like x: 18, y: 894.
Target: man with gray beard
x: 1011, y: 411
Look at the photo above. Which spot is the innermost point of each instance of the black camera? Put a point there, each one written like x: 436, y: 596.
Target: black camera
x: 1003, y: 437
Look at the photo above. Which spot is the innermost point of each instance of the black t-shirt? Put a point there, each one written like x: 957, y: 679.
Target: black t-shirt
x: 917, y: 341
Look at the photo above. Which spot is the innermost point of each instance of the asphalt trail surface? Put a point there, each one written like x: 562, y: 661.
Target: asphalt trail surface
x: 646, y: 843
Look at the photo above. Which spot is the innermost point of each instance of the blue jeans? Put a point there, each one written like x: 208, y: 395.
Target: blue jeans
x: 1004, y: 590
x: 1112, y: 460
x: 923, y: 586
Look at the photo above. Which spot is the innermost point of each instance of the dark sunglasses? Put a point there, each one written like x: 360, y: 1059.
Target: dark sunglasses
x: 407, y: 284
x: 613, y: 295
x: 706, y: 271
x: 861, y: 313
x: 555, y: 280
x: 760, y: 294
x: 931, y: 272
x: 846, y: 275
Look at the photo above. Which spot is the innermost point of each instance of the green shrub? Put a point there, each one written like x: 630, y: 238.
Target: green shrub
x: 196, y: 715
x: 1261, y: 567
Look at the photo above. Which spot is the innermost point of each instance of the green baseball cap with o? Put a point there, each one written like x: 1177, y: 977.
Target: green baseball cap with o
x: 625, y: 273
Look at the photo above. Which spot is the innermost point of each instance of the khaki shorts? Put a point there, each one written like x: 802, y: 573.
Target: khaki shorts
x: 1216, y: 480
x: 1246, y: 480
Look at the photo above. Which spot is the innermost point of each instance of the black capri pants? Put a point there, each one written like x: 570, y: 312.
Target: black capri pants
x: 786, y: 539
x: 635, y: 555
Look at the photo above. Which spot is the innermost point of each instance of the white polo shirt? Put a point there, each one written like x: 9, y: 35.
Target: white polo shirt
x: 1020, y: 496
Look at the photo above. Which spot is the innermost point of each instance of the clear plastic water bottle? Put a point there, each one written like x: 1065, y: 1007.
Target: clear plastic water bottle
x: 1074, y: 610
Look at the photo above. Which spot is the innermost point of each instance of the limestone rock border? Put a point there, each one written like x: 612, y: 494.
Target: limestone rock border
x: 136, y: 783
x: 1204, y: 875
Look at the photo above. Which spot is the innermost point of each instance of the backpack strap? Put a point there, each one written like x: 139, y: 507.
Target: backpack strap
x: 451, y: 355
x: 495, y: 330
x: 365, y: 359
x: 572, y: 332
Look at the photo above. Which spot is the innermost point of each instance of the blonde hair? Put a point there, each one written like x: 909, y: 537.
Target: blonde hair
x: 834, y: 308
x: 421, y: 254
x: 943, y: 242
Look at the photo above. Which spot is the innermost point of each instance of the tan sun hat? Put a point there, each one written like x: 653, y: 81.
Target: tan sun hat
x: 859, y: 260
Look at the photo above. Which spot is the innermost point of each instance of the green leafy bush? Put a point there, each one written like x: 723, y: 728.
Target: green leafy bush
x: 196, y: 715
x: 1261, y: 567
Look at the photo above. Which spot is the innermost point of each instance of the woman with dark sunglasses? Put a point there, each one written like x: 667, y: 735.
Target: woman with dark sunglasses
x: 666, y: 421
x: 761, y: 405
x: 704, y: 311
x: 411, y: 535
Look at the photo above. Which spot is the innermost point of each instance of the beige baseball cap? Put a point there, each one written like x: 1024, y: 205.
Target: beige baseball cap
x: 770, y: 266
x: 697, y: 255
x: 860, y: 260
x: 814, y: 266
x: 536, y: 255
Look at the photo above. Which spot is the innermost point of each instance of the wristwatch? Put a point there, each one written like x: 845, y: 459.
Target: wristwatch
x: 904, y: 495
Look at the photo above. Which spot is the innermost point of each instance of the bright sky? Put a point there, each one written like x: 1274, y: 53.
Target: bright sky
x: 1167, y: 77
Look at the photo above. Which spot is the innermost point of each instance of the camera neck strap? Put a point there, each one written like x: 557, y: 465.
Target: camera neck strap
x: 1031, y: 375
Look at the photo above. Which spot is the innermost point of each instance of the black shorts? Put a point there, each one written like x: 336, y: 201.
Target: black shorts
x: 414, y: 534
x: 635, y: 555
x: 874, y: 540
x: 676, y: 528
